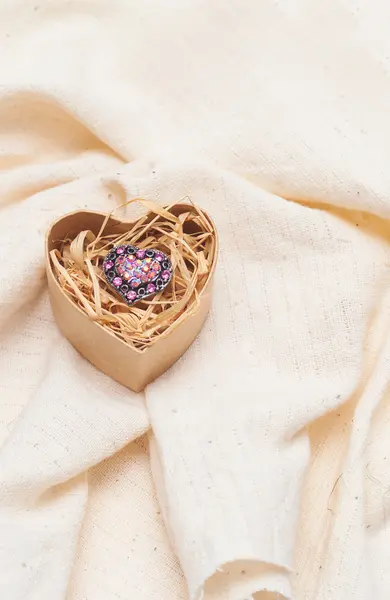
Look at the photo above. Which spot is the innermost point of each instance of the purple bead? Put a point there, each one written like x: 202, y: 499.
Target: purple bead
x: 165, y: 275
x: 151, y: 288
x: 132, y: 295
x: 120, y: 250
x: 141, y: 254
x: 117, y: 281
x: 108, y: 265
x: 159, y: 256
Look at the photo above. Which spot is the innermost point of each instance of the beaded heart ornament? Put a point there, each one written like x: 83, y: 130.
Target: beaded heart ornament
x: 136, y: 274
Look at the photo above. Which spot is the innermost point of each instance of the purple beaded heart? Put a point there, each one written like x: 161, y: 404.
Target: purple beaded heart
x: 136, y: 274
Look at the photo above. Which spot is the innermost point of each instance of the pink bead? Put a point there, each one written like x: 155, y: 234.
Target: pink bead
x: 117, y: 281
x: 151, y: 288
x: 109, y: 264
x: 120, y: 250
x: 165, y: 275
x: 159, y: 256
x: 132, y: 295
x: 140, y: 253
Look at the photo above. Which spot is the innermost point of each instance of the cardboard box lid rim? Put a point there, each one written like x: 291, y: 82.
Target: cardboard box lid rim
x: 54, y: 280
x: 124, y: 221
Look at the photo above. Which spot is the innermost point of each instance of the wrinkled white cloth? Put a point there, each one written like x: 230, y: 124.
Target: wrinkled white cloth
x: 257, y: 467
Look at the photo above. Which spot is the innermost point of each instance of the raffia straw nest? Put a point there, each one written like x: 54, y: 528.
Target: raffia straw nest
x: 186, y: 236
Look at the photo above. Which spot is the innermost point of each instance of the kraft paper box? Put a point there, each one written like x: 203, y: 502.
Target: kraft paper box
x: 129, y: 366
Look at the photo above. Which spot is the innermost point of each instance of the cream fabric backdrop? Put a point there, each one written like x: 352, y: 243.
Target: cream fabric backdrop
x: 258, y: 465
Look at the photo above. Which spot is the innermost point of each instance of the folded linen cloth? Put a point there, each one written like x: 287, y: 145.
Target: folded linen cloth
x: 257, y: 465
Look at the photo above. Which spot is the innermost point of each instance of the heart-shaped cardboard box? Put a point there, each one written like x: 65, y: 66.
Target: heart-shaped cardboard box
x: 129, y: 366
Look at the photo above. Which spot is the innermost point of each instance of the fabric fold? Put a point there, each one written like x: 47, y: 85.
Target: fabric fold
x: 66, y: 428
